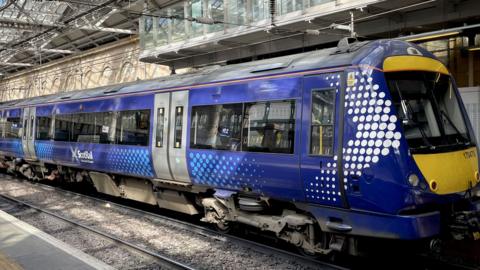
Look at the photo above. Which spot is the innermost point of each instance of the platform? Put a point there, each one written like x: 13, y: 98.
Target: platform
x: 23, y: 246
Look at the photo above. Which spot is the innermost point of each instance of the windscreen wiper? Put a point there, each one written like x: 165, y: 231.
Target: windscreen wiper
x: 407, y: 111
x: 444, y: 114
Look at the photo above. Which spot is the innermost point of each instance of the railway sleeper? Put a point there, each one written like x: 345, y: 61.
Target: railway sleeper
x: 290, y: 226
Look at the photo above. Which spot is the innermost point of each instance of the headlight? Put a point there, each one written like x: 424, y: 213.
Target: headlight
x: 413, y: 180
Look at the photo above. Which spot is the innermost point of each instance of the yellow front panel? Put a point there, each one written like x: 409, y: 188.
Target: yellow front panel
x: 413, y: 63
x: 449, y: 172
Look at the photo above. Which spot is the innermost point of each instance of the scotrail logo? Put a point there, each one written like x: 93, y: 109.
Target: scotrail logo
x: 81, y: 156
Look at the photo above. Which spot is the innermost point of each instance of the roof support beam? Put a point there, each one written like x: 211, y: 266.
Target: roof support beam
x: 27, y: 24
x: 15, y: 64
x: 49, y: 50
x: 108, y: 29
x: 104, y: 18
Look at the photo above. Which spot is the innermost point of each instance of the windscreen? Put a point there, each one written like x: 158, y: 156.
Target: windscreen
x: 428, y: 108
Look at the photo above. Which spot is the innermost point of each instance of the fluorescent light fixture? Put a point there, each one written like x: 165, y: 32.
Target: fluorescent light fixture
x: 438, y: 33
x: 474, y: 49
x: 421, y: 37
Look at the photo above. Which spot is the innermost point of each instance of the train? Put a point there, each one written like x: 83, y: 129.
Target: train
x: 365, y: 140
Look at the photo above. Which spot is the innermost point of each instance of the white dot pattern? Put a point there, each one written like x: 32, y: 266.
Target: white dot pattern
x: 375, y: 135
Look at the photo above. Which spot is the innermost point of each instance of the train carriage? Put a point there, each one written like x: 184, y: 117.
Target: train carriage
x: 367, y: 139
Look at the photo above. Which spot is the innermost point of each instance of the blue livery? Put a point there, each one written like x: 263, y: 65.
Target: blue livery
x: 334, y: 139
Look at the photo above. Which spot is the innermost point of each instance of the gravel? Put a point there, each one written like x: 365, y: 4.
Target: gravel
x: 98, y: 247
x: 201, y: 251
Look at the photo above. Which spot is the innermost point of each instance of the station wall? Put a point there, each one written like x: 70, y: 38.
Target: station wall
x: 471, y: 99
x: 110, y: 64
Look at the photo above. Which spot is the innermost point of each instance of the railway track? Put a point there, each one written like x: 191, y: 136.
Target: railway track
x: 427, y: 261
x: 202, y: 230
x: 306, y: 262
x: 162, y: 260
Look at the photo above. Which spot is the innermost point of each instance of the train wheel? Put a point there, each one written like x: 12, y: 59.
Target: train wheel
x: 321, y: 241
x: 223, y: 227
x: 307, y: 254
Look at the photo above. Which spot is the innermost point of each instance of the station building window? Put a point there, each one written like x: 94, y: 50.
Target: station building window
x: 322, y: 121
x: 178, y: 31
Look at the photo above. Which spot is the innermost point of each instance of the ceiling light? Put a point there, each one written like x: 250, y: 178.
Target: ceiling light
x: 432, y: 36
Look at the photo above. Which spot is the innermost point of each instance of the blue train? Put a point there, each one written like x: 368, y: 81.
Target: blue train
x: 368, y: 139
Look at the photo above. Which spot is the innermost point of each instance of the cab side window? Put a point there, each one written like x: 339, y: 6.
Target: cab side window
x: 322, y: 122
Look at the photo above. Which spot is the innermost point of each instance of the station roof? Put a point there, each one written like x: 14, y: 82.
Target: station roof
x: 34, y: 32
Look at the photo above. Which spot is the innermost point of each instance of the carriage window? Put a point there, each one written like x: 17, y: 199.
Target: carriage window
x: 160, y: 126
x: 269, y: 127
x: 84, y: 128
x: 43, y: 128
x: 177, y: 136
x: 323, y: 113
x: 132, y: 127
x: 216, y: 127
x: 105, y: 125
x: 63, y: 127
x: 13, y: 127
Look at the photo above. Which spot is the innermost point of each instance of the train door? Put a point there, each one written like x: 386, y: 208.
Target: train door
x: 178, y: 136
x: 3, y: 121
x: 28, y: 133
x: 160, y: 136
x: 321, y: 155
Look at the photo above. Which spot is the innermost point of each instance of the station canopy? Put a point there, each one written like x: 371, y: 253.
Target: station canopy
x: 33, y: 32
